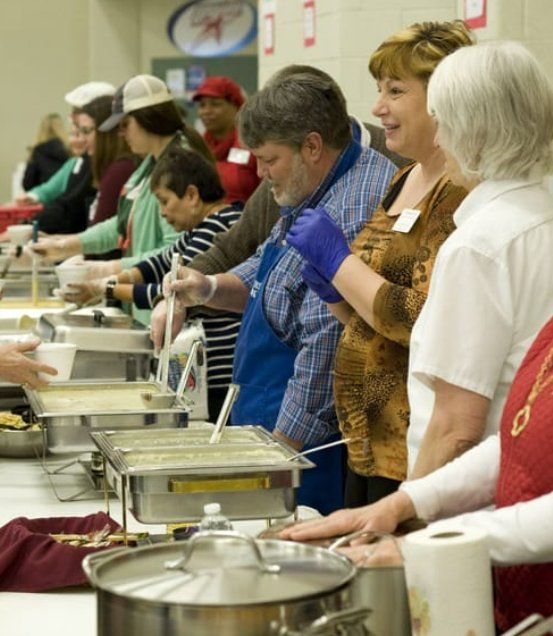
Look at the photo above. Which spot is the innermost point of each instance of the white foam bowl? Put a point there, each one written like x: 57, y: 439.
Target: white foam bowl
x: 68, y: 274
x: 19, y: 234
x: 59, y: 355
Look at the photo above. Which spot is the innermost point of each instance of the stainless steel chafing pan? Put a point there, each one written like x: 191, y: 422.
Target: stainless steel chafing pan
x: 164, y: 485
x: 109, y: 441
x: 69, y: 411
x: 110, y: 346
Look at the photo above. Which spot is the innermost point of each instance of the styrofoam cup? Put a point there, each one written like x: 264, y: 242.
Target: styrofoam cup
x: 59, y: 355
x: 19, y: 234
x: 68, y: 274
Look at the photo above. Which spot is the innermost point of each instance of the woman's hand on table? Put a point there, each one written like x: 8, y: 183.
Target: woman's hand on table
x: 384, y: 553
x: 382, y: 516
x: 16, y: 367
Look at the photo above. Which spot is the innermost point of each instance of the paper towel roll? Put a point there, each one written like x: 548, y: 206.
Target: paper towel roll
x: 449, y: 580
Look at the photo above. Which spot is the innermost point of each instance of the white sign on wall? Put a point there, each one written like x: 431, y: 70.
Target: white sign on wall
x: 213, y: 28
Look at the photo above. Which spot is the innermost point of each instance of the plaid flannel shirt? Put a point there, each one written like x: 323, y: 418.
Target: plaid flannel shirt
x: 297, y: 315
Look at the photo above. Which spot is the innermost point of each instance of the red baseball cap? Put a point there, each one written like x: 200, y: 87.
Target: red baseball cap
x: 220, y: 86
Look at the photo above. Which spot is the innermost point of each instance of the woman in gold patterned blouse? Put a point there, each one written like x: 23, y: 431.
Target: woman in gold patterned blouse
x: 377, y: 286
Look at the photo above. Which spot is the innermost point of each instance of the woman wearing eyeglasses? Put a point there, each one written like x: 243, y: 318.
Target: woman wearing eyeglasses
x: 97, y: 177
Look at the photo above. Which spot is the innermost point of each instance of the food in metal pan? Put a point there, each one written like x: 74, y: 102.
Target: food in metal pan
x: 79, y: 400
x: 202, y: 456
x: 13, y: 422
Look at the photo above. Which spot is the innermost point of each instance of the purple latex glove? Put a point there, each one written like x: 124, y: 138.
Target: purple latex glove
x: 324, y: 290
x: 319, y: 239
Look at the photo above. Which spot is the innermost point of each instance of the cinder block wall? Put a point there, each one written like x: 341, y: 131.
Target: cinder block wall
x: 347, y: 31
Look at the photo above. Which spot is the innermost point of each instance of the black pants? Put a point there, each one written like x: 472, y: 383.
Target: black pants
x: 215, y: 399
x: 361, y: 490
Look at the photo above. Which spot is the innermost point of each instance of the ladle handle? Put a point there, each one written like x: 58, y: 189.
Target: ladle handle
x: 224, y: 413
x: 175, y: 259
x: 188, y: 368
x: 316, y: 449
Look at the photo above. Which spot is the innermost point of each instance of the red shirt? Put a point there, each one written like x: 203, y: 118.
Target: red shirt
x: 237, y: 170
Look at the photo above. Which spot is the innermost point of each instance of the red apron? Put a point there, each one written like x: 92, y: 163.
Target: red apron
x: 526, y: 472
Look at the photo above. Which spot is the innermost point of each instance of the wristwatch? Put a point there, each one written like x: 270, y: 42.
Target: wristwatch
x: 110, y: 286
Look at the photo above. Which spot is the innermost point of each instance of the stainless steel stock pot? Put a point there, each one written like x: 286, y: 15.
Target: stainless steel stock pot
x: 225, y: 583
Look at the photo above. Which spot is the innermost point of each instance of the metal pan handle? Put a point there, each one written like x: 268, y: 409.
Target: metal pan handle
x: 344, y: 619
x: 230, y: 399
x: 216, y: 535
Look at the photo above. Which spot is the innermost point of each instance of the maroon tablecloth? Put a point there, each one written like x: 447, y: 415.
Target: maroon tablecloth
x: 32, y: 561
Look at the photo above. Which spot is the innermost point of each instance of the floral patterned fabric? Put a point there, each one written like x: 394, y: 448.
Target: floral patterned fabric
x: 371, y: 363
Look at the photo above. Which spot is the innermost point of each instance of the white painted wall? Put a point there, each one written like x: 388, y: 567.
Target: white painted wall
x: 47, y: 47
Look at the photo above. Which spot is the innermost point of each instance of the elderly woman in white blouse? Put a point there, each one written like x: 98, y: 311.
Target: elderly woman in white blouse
x: 491, y: 292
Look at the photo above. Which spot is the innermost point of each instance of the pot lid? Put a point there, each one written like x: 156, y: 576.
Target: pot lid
x: 220, y: 568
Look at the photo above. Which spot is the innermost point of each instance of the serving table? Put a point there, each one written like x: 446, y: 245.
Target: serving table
x: 24, y: 492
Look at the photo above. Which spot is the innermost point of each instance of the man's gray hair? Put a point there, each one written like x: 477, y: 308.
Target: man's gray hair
x: 494, y: 108
x: 295, y: 102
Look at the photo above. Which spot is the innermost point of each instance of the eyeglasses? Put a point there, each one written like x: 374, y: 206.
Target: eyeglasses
x: 85, y: 130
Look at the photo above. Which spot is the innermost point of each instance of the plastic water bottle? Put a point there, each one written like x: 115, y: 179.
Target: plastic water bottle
x: 213, y: 519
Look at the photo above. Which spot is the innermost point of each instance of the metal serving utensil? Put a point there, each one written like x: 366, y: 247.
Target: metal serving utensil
x: 167, y: 399
x: 230, y: 399
x: 316, y: 449
x: 164, y: 397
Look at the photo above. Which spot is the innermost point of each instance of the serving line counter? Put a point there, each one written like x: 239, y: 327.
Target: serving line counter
x: 25, y: 491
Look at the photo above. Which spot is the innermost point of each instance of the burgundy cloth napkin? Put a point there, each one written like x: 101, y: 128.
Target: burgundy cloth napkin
x: 32, y: 561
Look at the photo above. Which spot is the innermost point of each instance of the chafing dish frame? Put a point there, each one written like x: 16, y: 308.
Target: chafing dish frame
x: 177, y: 493
x: 69, y: 432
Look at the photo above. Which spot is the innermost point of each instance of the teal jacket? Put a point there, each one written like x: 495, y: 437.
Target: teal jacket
x: 56, y: 185
x: 150, y: 232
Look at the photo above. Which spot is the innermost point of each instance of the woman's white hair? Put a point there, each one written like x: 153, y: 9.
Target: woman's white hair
x: 494, y: 108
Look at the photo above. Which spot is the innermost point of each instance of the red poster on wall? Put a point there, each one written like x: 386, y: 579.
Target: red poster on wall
x: 269, y: 33
x: 309, y: 22
x: 476, y: 14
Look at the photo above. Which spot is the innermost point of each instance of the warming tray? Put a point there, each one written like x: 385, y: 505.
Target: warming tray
x: 108, y: 441
x: 20, y: 285
x: 70, y: 410
x: 96, y: 331
x: 108, y: 346
x: 167, y: 485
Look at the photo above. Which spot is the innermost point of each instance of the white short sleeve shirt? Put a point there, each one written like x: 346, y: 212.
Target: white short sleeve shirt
x: 491, y: 292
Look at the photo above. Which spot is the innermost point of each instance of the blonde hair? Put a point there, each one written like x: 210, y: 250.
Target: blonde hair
x: 50, y: 127
x: 418, y: 49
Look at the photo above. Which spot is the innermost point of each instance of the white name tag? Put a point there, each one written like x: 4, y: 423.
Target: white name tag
x: 238, y: 155
x: 406, y: 220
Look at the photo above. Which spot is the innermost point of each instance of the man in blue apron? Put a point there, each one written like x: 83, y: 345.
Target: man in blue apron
x: 298, y: 128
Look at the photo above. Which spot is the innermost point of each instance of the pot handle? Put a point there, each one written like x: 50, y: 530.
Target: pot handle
x: 346, y: 618
x: 215, y: 535
x: 91, y: 561
x: 347, y: 538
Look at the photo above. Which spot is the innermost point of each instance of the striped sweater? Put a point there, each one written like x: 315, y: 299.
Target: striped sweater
x: 221, y: 330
